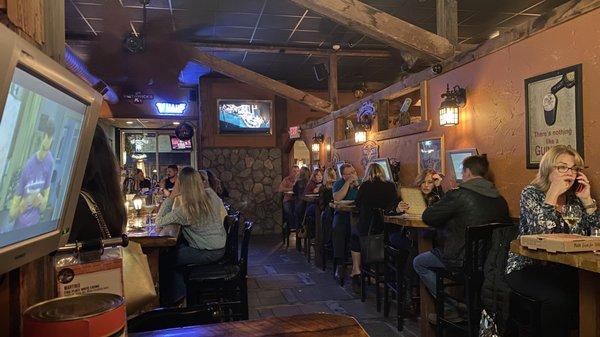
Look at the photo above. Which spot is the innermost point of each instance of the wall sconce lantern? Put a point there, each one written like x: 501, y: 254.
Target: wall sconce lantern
x: 360, y: 135
x: 317, y: 140
x: 453, y: 100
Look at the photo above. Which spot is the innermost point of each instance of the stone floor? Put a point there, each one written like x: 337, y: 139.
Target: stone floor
x: 282, y: 283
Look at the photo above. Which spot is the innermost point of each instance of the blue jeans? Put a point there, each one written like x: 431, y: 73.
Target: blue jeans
x: 340, y: 234
x: 172, y: 282
x: 288, y: 214
x: 421, y: 263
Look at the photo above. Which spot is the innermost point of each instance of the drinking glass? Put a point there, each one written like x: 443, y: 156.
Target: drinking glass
x: 571, y: 215
x: 595, y: 231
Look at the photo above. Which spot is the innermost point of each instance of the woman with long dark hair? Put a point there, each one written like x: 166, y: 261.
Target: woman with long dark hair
x: 101, y: 183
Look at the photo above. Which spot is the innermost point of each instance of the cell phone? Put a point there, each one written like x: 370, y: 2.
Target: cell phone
x: 577, y: 187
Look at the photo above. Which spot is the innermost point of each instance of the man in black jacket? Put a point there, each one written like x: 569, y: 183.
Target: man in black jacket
x: 475, y: 202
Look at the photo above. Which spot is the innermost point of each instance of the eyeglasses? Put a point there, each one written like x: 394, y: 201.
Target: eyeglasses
x: 565, y: 169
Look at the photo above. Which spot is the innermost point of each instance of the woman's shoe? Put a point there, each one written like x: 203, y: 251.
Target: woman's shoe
x: 356, y: 286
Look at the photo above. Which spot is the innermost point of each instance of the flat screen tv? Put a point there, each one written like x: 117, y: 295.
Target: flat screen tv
x: 456, y: 157
x: 244, y: 116
x: 387, y: 168
x: 179, y: 145
x: 47, y: 119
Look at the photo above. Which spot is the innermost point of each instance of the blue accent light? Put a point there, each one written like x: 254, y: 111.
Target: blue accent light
x: 171, y: 108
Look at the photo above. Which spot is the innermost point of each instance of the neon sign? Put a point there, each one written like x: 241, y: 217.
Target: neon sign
x: 171, y: 108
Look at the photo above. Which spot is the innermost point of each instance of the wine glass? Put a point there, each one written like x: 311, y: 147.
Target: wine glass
x: 571, y: 215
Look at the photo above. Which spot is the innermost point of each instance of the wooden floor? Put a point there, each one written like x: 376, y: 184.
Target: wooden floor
x: 282, y: 283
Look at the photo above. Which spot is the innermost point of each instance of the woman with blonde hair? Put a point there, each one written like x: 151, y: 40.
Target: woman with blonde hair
x: 558, y: 200
x: 374, y: 192
x: 200, y: 213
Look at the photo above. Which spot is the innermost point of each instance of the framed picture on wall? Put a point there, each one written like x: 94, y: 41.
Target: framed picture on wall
x: 553, y: 112
x: 430, y: 154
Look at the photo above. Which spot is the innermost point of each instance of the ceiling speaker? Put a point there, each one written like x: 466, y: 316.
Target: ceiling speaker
x: 321, y: 72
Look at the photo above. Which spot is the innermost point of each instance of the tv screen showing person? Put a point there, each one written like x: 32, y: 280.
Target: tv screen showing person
x: 40, y: 130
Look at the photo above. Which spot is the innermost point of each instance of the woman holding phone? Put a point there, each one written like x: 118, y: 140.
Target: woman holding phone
x: 558, y: 200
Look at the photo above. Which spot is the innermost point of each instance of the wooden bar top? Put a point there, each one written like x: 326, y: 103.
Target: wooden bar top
x: 589, y: 261
x: 407, y: 220
x: 299, y: 325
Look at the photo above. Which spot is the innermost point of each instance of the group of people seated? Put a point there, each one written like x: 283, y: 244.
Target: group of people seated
x: 560, y: 182
x: 191, y: 201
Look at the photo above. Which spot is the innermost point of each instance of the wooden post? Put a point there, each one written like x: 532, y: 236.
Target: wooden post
x: 54, y: 30
x: 333, y: 80
x: 383, y: 107
x: 447, y: 20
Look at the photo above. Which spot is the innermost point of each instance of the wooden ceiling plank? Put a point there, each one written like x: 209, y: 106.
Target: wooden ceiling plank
x: 252, y: 78
x: 381, y: 26
x: 447, y: 20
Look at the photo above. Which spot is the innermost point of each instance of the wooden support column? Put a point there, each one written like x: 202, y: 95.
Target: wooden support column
x: 333, y: 80
x: 447, y: 20
x: 381, y: 26
x: 383, y: 107
x: 54, y: 30
x: 250, y: 77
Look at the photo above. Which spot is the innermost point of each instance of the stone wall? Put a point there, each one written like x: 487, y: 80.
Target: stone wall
x: 252, y: 177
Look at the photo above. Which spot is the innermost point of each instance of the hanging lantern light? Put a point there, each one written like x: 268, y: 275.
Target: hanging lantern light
x: 453, y: 100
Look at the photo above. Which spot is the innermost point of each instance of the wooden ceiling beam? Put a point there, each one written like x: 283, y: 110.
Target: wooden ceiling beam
x: 381, y: 26
x: 255, y: 79
x: 447, y: 20
x: 290, y: 50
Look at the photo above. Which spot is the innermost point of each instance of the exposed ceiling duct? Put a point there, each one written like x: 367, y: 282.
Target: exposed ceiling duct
x: 77, y: 66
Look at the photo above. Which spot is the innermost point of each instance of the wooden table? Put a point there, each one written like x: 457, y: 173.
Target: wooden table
x: 425, y: 244
x: 314, y: 198
x: 588, y: 264
x: 344, y: 207
x: 311, y: 325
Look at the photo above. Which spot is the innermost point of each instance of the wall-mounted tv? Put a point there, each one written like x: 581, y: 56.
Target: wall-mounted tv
x: 178, y: 144
x: 238, y: 116
x: 456, y: 157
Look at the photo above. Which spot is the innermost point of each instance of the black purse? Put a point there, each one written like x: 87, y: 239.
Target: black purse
x: 371, y: 247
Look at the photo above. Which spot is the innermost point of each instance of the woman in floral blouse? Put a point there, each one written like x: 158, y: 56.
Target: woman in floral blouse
x: 559, y: 182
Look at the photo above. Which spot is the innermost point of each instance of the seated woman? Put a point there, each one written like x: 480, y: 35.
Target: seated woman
x: 200, y: 213
x: 313, y: 187
x: 217, y: 185
x: 374, y: 192
x: 298, y: 189
x: 101, y: 184
x: 325, y: 198
x: 559, y: 182
x: 429, y: 182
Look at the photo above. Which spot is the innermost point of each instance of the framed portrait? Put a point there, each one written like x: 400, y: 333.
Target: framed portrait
x: 430, y: 154
x: 553, y: 112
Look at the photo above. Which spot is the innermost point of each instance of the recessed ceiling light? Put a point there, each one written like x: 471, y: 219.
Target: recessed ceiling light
x: 176, y: 123
x: 494, y: 34
x: 129, y: 122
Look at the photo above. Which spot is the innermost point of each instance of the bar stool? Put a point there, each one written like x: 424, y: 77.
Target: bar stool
x: 469, y: 276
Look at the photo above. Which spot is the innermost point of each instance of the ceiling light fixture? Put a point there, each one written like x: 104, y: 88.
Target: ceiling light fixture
x: 176, y: 123
x: 129, y: 122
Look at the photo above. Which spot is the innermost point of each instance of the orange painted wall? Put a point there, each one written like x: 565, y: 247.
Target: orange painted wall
x: 494, y: 118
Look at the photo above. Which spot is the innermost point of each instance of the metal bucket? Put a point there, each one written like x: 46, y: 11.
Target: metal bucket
x: 89, y: 315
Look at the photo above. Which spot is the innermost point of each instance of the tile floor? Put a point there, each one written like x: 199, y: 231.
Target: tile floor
x: 282, y: 283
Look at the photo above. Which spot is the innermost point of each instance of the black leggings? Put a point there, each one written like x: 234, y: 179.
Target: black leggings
x: 557, y: 288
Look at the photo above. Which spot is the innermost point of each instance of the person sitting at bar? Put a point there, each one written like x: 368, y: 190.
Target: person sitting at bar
x: 374, y: 192
x: 200, y: 213
x: 560, y: 184
x: 476, y: 201
x: 168, y: 182
x: 140, y: 181
x: 217, y: 185
x: 204, y: 178
x: 345, y: 188
x: 298, y: 189
x: 429, y: 182
x: 313, y: 187
x: 101, y: 183
x: 286, y: 186
x: 325, y: 198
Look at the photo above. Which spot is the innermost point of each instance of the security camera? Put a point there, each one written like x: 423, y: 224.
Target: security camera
x: 436, y: 68
x: 336, y: 47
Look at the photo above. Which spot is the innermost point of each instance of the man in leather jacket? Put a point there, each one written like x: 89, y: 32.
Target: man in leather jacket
x: 475, y: 202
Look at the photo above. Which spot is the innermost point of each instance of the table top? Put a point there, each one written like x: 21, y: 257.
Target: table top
x: 589, y: 261
x: 312, y: 197
x: 159, y: 236
x: 298, y: 325
x: 407, y: 220
x: 344, y: 207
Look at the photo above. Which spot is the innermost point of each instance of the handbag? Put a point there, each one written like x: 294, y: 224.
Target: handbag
x: 487, y: 326
x: 138, y: 287
x: 371, y: 247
